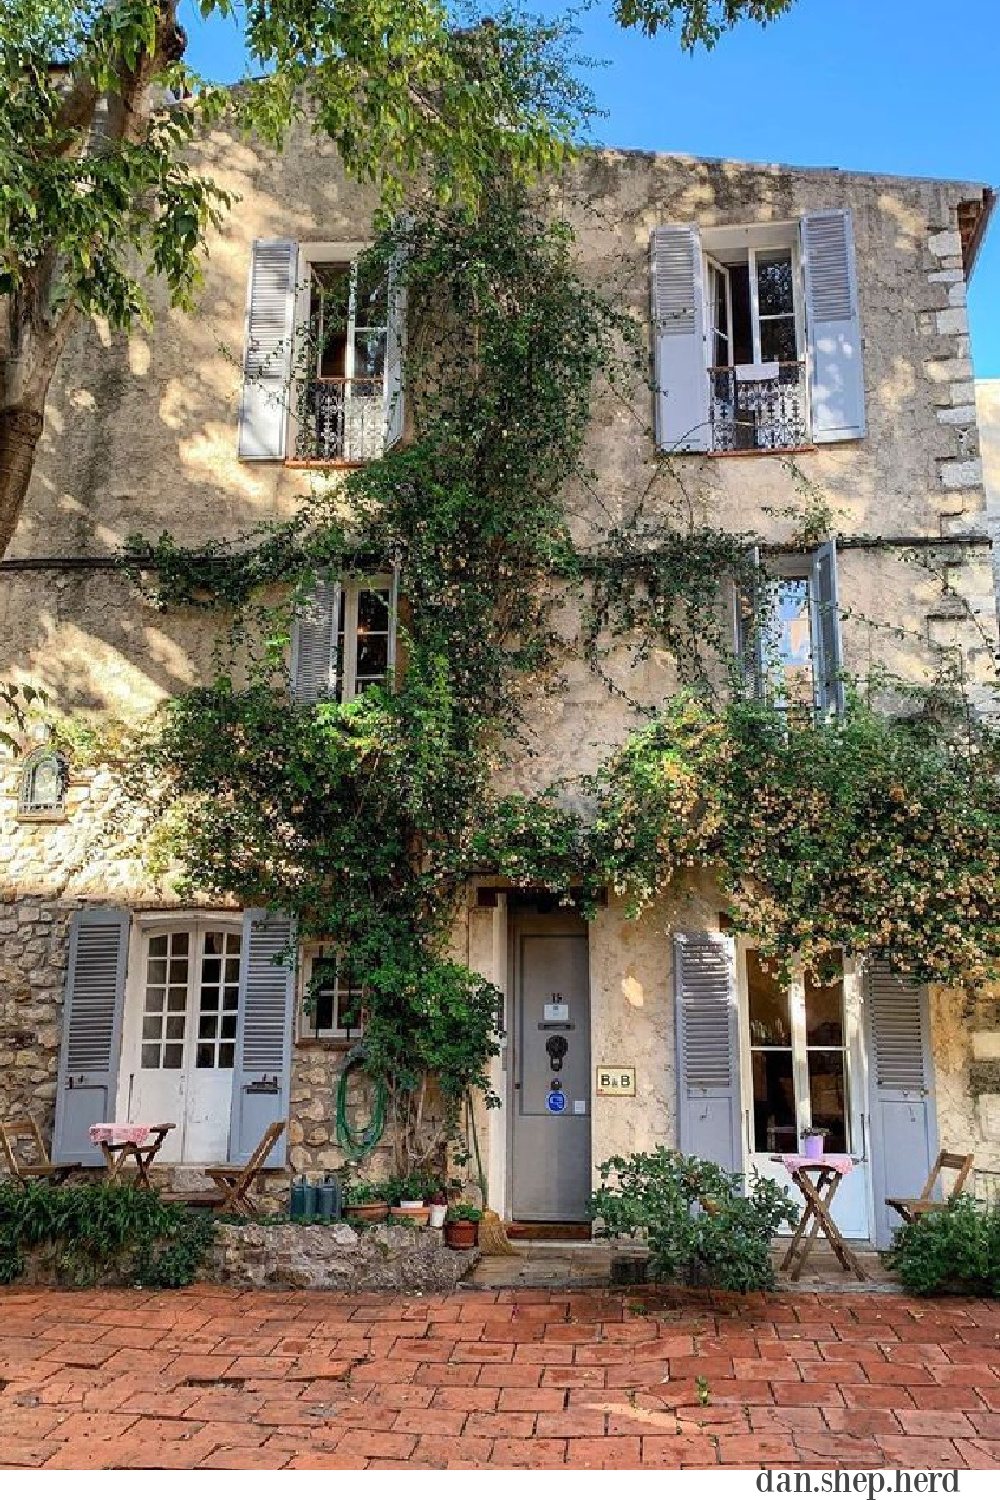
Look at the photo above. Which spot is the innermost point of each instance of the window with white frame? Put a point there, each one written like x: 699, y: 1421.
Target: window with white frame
x: 342, y: 363
x: 788, y: 632
x: 756, y: 336
x: 330, y: 1009
x: 344, y: 640
x: 42, y: 789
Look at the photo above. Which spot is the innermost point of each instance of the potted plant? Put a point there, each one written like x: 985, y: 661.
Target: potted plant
x: 367, y: 1201
x: 813, y: 1139
x: 461, y: 1226
x: 438, y: 1206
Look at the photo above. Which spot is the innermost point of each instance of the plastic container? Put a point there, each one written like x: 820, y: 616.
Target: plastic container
x: 812, y: 1146
x: 309, y: 1203
x: 327, y: 1207
x: 297, y: 1204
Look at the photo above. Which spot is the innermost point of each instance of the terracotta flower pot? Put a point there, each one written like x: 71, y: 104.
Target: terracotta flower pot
x: 461, y: 1235
x: 415, y: 1215
x: 373, y: 1213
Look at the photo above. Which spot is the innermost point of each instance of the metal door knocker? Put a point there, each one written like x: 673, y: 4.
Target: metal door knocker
x: 556, y: 1047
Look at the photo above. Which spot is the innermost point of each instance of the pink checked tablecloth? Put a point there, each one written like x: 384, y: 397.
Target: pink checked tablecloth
x: 839, y: 1164
x: 119, y: 1135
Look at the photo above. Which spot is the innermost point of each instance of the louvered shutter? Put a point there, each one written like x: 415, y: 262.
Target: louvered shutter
x: 262, y: 1071
x: 395, y: 352
x: 91, y: 1031
x: 902, y: 1112
x: 826, y: 631
x: 267, y: 354
x: 676, y: 282
x: 314, y: 644
x: 708, y: 1058
x: 837, y: 393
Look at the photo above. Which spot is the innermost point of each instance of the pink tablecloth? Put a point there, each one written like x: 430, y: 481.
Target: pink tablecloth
x: 119, y: 1135
x: 839, y: 1164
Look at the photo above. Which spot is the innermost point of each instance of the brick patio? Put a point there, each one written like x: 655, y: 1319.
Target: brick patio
x: 209, y: 1379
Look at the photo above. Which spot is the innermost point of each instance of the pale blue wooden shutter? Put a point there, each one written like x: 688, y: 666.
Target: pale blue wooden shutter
x: 709, y: 1113
x: 91, y: 1031
x: 267, y: 355
x: 837, y: 392
x: 262, y: 1071
x: 678, y: 310
x: 314, y: 644
x: 395, y: 353
x: 902, y: 1113
x: 827, y: 651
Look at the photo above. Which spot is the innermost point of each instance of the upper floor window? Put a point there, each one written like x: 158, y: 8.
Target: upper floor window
x: 756, y: 336
x: 43, y: 784
x: 788, y: 634
x: 323, y: 355
x: 344, y: 638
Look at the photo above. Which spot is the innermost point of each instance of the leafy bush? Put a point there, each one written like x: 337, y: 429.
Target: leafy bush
x: 358, y: 1194
x: 699, y: 1224
x: 954, y: 1249
x: 463, y: 1213
x: 91, y: 1231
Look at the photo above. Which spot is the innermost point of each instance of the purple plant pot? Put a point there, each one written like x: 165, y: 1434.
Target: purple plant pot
x: 812, y: 1146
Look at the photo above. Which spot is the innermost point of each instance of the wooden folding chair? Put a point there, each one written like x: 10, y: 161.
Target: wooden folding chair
x: 32, y: 1163
x: 910, y: 1209
x: 234, y: 1183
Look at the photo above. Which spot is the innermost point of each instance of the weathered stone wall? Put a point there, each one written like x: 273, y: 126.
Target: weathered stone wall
x: 34, y: 935
x: 336, y: 1257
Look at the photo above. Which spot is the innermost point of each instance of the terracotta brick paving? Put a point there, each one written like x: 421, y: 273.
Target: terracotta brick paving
x: 541, y: 1378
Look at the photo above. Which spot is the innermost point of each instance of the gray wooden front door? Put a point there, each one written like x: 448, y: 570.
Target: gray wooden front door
x: 550, y: 1114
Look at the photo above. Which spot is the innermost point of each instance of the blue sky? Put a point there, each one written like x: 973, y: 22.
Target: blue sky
x: 884, y: 85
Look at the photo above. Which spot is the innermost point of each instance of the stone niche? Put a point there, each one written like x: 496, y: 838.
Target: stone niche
x: 336, y: 1257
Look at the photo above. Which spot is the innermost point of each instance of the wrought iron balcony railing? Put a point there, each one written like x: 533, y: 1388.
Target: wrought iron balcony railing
x: 757, y: 407
x: 341, y: 420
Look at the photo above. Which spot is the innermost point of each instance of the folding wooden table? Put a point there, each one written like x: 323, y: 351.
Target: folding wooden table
x: 817, y: 1179
x: 121, y: 1143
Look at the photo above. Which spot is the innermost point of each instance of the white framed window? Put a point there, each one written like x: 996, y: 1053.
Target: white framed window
x: 788, y: 638
x: 344, y: 639
x: 756, y: 335
x: 798, y: 1060
x: 190, y: 1003
x: 42, y: 788
x: 331, y: 1001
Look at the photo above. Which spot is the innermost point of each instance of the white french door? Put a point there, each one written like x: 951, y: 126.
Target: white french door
x: 803, y: 1064
x: 180, y: 1035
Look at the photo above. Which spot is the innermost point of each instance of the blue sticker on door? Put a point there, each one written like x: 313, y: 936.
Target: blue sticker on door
x: 555, y: 1102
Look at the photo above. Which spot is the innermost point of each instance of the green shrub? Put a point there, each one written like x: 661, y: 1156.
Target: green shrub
x: 954, y: 1249
x: 93, y: 1231
x: 699, y: 1224
x: 463, y: 1213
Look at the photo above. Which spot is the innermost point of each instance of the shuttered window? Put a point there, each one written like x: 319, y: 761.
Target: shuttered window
x: 344, y: 640
x: 898, y: 1045
x: 788, y: 639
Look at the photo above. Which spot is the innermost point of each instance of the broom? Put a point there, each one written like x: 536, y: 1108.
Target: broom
x: 492, y: 1234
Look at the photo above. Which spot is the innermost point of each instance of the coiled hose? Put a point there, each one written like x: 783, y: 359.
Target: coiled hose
x: 359, y: 1143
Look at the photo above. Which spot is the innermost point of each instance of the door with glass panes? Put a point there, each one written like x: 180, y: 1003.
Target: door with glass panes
x: 180, y: 1036
x: 803, y: 1064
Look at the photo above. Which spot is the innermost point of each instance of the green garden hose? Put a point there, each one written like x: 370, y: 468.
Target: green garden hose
x: 359, y: 1143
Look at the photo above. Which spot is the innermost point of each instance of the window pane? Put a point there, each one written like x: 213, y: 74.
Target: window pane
x: 177, y: 1000
x: 178, y: 971
x: 373, y: 610
x: 231, y: 997
x: 173, y: 1055
x: 826, y: 1097
x: 158, y: 946
x: 180, y: 944
x: 229, y: 1027
x: 789, y: 647
x: 154, y: 1000
x: 774, y: 284
x: 774, y: 1102
x: 226, y: 1053
x: 211, y: 971
x: 370, y: 299
x: 151, y: 1056
x: 210, y: 999
x: 175, y: 1028
x: 156, y: 972
x: 207, y: 1027
x: 205, y: 1056
x: 373, y: 656
x: 825, y: 1014
x: 777, y: 340
x: 213, y: 942
x: 323, y: 1012
x: 769, y: 1015
x: 369, y: 356
x: 152, y: 1028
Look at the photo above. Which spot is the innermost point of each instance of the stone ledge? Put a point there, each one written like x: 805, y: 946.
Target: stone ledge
x: 336, y: 1257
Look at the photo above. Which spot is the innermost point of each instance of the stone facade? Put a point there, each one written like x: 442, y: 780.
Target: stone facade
x: 141, y: 435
